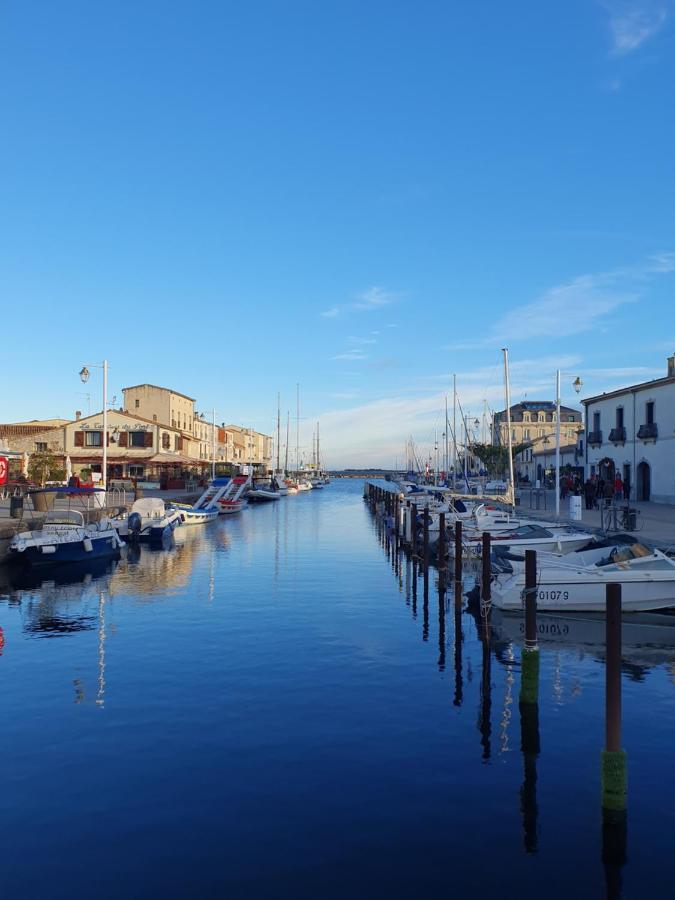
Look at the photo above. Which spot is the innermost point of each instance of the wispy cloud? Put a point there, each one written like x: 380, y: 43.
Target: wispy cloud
x: 580, y: 305
x: 351, y: 355
x: 632, y: 22
x: 371, y: 299
x: 362, y: 340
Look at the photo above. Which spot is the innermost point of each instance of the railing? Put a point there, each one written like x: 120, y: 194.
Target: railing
x: 648, y: 432
x: 617, y: 435
x: 594, y: 437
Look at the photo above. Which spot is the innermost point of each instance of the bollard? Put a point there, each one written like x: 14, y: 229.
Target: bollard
x: 426, y: 537
x: 441, y: 542
x: 413, y: 526
x: 614, y: 787
x: 441, y: 623
x: 486, y: 579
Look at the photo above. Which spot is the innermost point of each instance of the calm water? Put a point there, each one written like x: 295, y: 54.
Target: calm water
x: 267, y: 710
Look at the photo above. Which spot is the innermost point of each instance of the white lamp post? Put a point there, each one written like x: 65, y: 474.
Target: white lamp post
x: 577, y: 384
x: 84, y: 375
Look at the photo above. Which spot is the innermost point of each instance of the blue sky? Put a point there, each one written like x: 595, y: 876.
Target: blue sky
x: 230, y: 198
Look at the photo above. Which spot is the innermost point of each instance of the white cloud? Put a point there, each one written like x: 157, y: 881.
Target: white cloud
x: 360, y: 340
x: 351, y: 355
x: 331, y: 313
x: 632, y: 22
x: 373, y: 298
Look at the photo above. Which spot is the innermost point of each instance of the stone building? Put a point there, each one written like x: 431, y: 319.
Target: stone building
x: 534, y: 420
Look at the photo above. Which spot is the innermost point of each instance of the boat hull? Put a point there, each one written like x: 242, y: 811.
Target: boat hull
x: 104, y: 547
x: 587, y: 594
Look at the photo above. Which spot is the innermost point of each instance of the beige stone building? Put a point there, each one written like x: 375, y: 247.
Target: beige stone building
x: 250, y: 447
x: 533, y: 421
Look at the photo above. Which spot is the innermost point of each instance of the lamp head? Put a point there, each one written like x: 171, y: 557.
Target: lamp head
x: 84, y: 374
x: 577, y: 384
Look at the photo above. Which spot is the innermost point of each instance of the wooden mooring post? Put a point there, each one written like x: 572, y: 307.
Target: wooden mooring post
x: 426, y: 538
x: 529, y: 675
x: 486, y: 575
x: 458, y: 563
x: 413, y: 527
x: 613, y: 757
x: 442, y: 537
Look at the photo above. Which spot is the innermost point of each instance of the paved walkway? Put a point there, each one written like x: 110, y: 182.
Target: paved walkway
x: 655, y: 521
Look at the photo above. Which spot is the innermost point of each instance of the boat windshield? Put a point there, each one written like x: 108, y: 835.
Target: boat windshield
x: 531, y: 531
x: 64, y: 517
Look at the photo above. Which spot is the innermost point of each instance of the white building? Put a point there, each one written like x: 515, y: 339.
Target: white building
x: 632, y: 431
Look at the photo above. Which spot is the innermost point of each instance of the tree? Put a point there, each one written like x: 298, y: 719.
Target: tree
x: 44, y: 467
x: 495, y: 458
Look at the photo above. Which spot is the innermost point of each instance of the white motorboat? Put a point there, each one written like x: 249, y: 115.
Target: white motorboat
x: 233, y: 500
x: 192, y: 516
x: 554, y: 538
x: 64, y: 538
x: 149, y: 520
x: 577, y: 582
x: 304, y: 486
x: 262, y: 493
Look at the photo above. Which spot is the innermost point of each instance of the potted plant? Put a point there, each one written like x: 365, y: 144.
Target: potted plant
x: 43, y: 467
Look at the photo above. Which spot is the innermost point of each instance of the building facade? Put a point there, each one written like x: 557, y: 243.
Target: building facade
x: 532, y: 421
x: 632, y: 431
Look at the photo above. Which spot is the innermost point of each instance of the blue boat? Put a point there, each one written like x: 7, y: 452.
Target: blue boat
x: 65, y: 538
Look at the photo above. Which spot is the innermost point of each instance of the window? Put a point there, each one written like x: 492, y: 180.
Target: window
x: 513, y: 435
x: 619, y: 417
x: 526, y: 434
x: 137, y: 403
x: 93, y: 439
x: 570, y: 419
x: 137, y: 439
x: 176, y: 442
x: 166, y: 440
x: 526, y: 417
x: 649, y: 413
x: 154, y: 418
x: 541, y: 432
x: 136, y: 471
x: 541, y: 417
x: 40, y: 446
x: 596, y: 421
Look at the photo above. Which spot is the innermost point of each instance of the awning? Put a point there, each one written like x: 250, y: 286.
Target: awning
x: 165, y: 459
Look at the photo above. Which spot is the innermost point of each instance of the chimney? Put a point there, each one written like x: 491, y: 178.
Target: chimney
x: 78, y: 415
x: 671, y: 366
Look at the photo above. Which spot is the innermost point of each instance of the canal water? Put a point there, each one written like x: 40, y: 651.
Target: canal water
x: 272, y: 709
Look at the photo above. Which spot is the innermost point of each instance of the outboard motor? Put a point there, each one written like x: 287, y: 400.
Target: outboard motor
x: 134, y: 525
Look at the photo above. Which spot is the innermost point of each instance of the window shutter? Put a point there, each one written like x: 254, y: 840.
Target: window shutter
x: 180, y: 443
x: 79, y: 438
x: 124, y: 439
x: 107, y: 439
x: 148, y: 439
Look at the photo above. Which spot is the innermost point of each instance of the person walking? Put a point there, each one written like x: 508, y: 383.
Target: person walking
x: 599, y: 492
x: 589, y: 493
x: 618, y: 487
x: 608, y: 492
x: 626, y: 488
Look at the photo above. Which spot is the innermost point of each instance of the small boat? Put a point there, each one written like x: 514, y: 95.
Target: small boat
x: 191, y: 516
x: 262, y: 493
x: 149, y: 520
x: 64, y: 538
x: 304, y: 486
x: 279, y: 485
x: 576, y: 582
x: 233, y: 500
x: 291, y: 486
x: 562, y: 539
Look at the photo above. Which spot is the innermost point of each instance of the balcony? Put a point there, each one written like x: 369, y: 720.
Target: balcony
x: 617, y: 435
x: 648, y: 432
x: 594, y: 438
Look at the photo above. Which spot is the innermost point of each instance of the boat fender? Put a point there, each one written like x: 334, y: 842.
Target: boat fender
x: 48, y: 548
x: 87, y: 544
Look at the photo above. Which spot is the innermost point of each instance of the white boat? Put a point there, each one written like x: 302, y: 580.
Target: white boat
x: 261, y: 493
x: 149, y: 520
x: 562, y: 539
x: 191, y: 516
x: 279, y: 485
x: 304, y: 486
x: 64, y: 538
x: 577, y: 582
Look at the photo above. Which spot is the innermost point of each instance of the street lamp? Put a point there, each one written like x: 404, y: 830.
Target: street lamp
x: 577, y: 384
x: 84, y: 377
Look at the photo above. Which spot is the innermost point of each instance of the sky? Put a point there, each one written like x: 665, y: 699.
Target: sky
x: 362, y: 198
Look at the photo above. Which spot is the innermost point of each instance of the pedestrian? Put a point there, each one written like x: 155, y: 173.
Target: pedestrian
x: 608, y: 492
x: 626, y: 488
x: 589, y: 493
x: 618, y: 487
x: 599, y: 492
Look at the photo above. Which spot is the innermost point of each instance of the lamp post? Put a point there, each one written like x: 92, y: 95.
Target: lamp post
x: 576, y: 384
x: 84, y: 376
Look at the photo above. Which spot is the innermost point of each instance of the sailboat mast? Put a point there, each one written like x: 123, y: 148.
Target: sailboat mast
x: 447, y: 460
x: 507, y: 390
x: 318, y: 452
x: 278, y: 429
x: 288, y: 432
x: 454, y: 428
x: 297, y: 427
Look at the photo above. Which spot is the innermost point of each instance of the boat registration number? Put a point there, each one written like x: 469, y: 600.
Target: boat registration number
x: 553, y: 595
x: 548, y: 628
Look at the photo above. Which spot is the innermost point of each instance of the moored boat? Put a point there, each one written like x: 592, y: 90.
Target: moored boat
x: 65, y: 538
